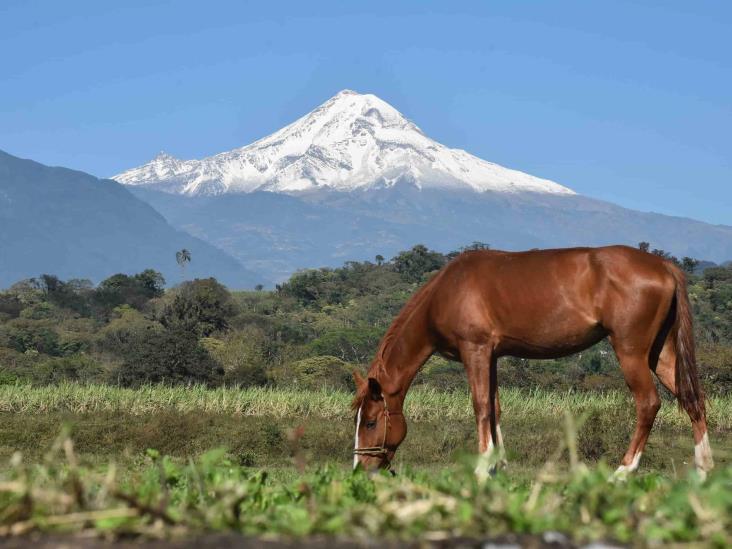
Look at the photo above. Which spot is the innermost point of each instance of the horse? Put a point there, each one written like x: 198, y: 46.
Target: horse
x: 536, y: 304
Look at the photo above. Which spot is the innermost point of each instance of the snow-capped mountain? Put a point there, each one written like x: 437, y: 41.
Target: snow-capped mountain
x: 410, y: 189
x: 352, y: 141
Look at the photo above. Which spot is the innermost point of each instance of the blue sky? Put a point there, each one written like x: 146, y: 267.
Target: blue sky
x: 627, y: 101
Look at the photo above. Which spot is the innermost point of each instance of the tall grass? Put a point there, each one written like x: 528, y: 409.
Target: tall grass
x: 199, y: 491
x: 421, y: 404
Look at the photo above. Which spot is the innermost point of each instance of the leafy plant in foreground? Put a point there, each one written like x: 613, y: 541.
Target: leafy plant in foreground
x: 169, y: 497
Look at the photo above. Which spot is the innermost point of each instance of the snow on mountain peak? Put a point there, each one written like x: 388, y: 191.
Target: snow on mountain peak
x: 162, y: 156
x: 352, y: 141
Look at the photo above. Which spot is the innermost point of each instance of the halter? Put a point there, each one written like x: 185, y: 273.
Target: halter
x: 383, y: 450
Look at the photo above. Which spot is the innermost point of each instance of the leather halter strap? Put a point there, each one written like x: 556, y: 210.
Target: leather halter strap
x: 379, y: 451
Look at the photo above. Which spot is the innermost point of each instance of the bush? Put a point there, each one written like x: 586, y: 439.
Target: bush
x: 202, y: 306
x: 15, y: 366
x: 134, y: 290
x: 414, y: 264
x: 23, y: 335
x: 316, y: 372
x: 355, y: 345
x: 170, y: 356
x: 126, y: 329
x: 54, y: 370
x: 10, y: 305
x: 312, y: 285
x: 70, y: 295
x: 8, y: 378
x: 715, y: 369
x: 242, y: 356
x: 443, y: 375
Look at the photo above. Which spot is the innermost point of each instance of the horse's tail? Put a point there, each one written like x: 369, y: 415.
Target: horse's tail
x: 688, y: 390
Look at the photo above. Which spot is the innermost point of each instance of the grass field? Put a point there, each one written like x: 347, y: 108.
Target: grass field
x: 146, y: 462
x: 421, y: 404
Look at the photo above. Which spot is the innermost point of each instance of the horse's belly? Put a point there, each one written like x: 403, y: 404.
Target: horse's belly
x: 549, y: 342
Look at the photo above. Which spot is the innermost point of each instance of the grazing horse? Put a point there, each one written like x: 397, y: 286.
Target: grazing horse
x: 537, y: 304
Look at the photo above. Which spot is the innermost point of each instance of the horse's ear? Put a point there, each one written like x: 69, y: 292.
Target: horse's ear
x: 358, y: 379
x: 375, y: 391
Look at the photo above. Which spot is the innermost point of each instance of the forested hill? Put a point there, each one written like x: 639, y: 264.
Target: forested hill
x: 77, y: 226
x: 310, y: 331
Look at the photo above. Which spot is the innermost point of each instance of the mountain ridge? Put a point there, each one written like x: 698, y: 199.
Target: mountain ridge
x: 71, y: 224
x: 351, y: 142
x: 277, y: 234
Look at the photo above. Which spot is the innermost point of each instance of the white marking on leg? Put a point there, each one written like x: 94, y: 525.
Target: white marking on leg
x: 486, y: 464
x: 703, y: 455
x: 355, y: 438
x: 624, y: 470
x: 501, y: 448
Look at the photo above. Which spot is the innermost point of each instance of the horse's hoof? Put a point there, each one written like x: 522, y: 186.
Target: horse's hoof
x: 484, y: 473
x: 619, y: 475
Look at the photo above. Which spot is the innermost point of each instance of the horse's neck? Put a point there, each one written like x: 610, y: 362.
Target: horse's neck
x: 405, y: 348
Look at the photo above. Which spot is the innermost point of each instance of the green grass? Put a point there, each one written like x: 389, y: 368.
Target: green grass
x: 271, y: 478
x: 421, y: 404
x: 163, y: 497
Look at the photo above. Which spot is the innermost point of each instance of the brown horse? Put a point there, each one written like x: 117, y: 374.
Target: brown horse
x: 537, y: 304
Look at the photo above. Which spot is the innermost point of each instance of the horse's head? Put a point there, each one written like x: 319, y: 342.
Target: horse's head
x: 380, y: 425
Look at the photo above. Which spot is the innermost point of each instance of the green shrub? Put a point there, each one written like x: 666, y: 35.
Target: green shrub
x: 414, y: 264
x: 355, y: 345
x: 202, y: 306
x: 443, y: 374
x: 121, y: 289
x: 10, y: 306
x: 79, y: 367
x: 169, y: 356
x: 242, y: 355
x: 314, y: 373
x: 127, y: 327
x: 8, y: 377
x: 22, y: 335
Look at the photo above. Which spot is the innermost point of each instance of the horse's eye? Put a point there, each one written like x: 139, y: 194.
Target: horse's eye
x: 371, y: 424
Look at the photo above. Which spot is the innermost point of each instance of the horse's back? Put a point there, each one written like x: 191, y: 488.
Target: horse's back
x: 564, y: 299
x: 567, y: 265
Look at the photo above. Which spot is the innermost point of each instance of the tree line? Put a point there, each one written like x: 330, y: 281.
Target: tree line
x: 310, y: 331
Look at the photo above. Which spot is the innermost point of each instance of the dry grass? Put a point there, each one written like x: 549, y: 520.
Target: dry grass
x: 421, y: 405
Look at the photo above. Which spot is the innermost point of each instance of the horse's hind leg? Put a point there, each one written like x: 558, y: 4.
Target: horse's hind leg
x: 638, y: 378
x: 502, y: 461
x: 665, y: 369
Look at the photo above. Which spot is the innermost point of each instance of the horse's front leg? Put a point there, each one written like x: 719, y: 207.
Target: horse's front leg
x: 480, y: 366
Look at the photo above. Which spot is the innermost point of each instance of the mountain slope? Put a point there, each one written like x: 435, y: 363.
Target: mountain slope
x: 276, y: 234
x: 71, y: 224
x: 352, y: 141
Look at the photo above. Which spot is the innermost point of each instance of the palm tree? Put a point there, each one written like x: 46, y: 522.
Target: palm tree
x: 182, y: 257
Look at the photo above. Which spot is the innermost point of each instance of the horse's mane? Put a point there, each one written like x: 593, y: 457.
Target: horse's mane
x: 378, y: 365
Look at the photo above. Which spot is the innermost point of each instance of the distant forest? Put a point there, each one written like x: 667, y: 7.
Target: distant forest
x: 310, y: 331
